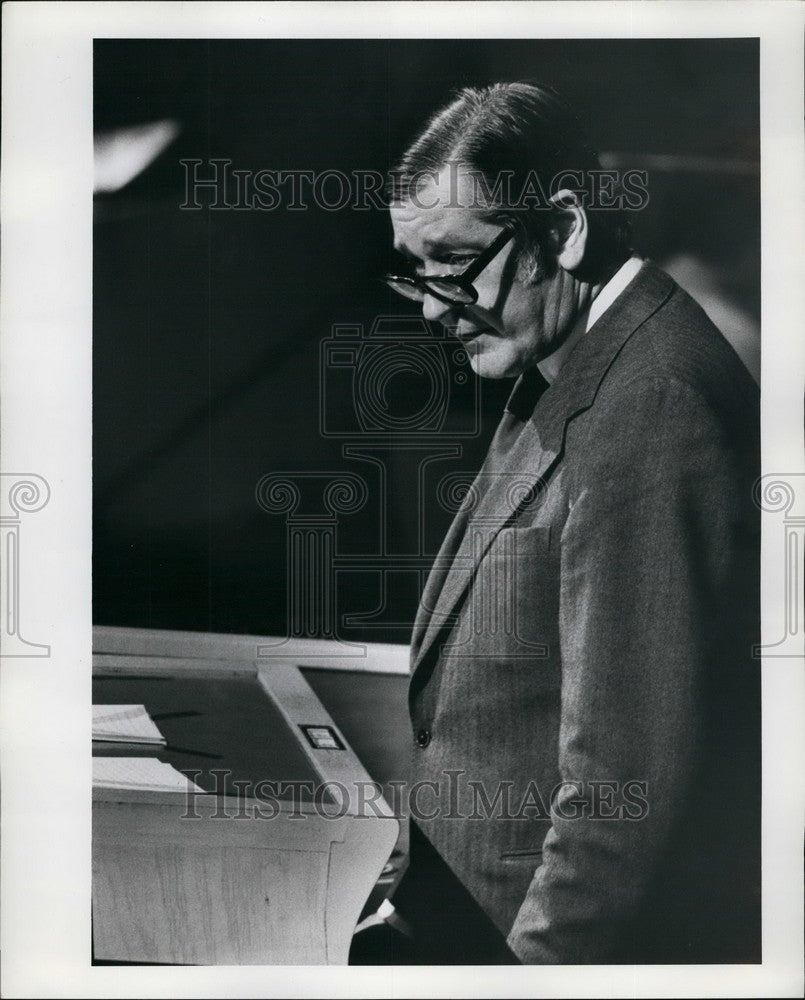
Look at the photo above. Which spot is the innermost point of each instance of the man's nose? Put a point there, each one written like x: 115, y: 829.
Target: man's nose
x: 434, y: 310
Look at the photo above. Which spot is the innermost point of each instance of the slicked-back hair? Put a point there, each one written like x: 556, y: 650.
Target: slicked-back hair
x: 502, y: 135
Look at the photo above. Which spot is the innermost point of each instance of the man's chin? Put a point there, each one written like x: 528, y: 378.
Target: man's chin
x: 490, y: 364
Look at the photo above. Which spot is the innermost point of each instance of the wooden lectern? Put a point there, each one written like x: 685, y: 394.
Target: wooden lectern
x: 271, y: 865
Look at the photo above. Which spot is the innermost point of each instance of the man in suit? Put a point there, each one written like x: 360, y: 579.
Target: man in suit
x: 584, y: 702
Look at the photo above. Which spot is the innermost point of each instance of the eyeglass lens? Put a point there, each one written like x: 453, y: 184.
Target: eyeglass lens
x: 442, y: 289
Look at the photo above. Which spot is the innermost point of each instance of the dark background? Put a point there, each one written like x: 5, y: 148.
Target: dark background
x: 207, y: 324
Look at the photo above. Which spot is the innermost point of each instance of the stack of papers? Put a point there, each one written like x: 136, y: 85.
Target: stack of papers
x: 125, y: 724
x: 141, y: 774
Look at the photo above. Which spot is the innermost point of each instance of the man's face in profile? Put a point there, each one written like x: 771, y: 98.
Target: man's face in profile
x: 516, y: 320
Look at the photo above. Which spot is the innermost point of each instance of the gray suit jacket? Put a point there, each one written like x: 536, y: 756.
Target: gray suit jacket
x: 584, y: 701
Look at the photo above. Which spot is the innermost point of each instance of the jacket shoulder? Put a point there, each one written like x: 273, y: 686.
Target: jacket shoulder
x: 675, y: 380
x: 679, y: 341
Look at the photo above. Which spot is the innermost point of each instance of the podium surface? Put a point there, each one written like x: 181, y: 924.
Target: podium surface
x: 273, y: 861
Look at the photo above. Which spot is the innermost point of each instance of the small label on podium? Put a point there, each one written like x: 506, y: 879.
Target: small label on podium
x: 322, y: 737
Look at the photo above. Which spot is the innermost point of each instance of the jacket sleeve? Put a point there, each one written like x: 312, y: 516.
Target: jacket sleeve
x: 648, y: 550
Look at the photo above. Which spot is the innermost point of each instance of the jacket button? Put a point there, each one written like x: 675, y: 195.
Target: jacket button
x: 423, y: 738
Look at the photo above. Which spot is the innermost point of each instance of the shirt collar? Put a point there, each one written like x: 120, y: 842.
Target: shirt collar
x: 613, y: 288
x: 531, y: 384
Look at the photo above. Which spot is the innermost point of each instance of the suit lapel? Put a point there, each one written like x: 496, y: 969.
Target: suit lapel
x: 439, y: 571
x: 504, y: 492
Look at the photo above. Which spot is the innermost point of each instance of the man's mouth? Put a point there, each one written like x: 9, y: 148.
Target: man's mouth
x: 465, y: 336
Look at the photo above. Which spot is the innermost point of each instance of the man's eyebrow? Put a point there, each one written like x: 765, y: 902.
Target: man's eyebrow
x: 441, y: 245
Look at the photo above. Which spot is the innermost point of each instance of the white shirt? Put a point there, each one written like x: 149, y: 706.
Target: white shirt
x: 612, y: 289
x: 606, y: 297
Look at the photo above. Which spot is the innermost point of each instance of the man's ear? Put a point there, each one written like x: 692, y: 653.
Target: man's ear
x: 571, y: 229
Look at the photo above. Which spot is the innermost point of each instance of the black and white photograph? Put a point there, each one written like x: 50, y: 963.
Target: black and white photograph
x: 408, y: 493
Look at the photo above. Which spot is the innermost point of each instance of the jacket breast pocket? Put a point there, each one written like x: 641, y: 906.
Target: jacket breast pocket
x: 512, y: 604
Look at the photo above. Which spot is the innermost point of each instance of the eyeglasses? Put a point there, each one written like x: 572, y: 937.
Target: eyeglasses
x: 454, y: 289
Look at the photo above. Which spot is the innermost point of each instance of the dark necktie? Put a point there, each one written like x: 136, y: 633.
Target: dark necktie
x: 524, y: 397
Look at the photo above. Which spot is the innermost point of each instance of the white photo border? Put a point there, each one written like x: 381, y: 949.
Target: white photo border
x: 46, y: 323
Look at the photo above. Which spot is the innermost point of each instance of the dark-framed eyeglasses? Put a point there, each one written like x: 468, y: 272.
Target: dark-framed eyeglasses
x: 454, y: 289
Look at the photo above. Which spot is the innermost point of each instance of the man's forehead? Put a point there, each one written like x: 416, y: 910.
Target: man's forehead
x: 434, y: 227
x: 442, y: 210
x: 451, y: 184
x: 438, y: 213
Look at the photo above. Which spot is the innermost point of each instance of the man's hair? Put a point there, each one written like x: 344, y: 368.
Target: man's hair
x: 509, y: 136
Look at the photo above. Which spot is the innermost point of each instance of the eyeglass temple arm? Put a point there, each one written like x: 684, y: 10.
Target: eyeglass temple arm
x: 486, y: 256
